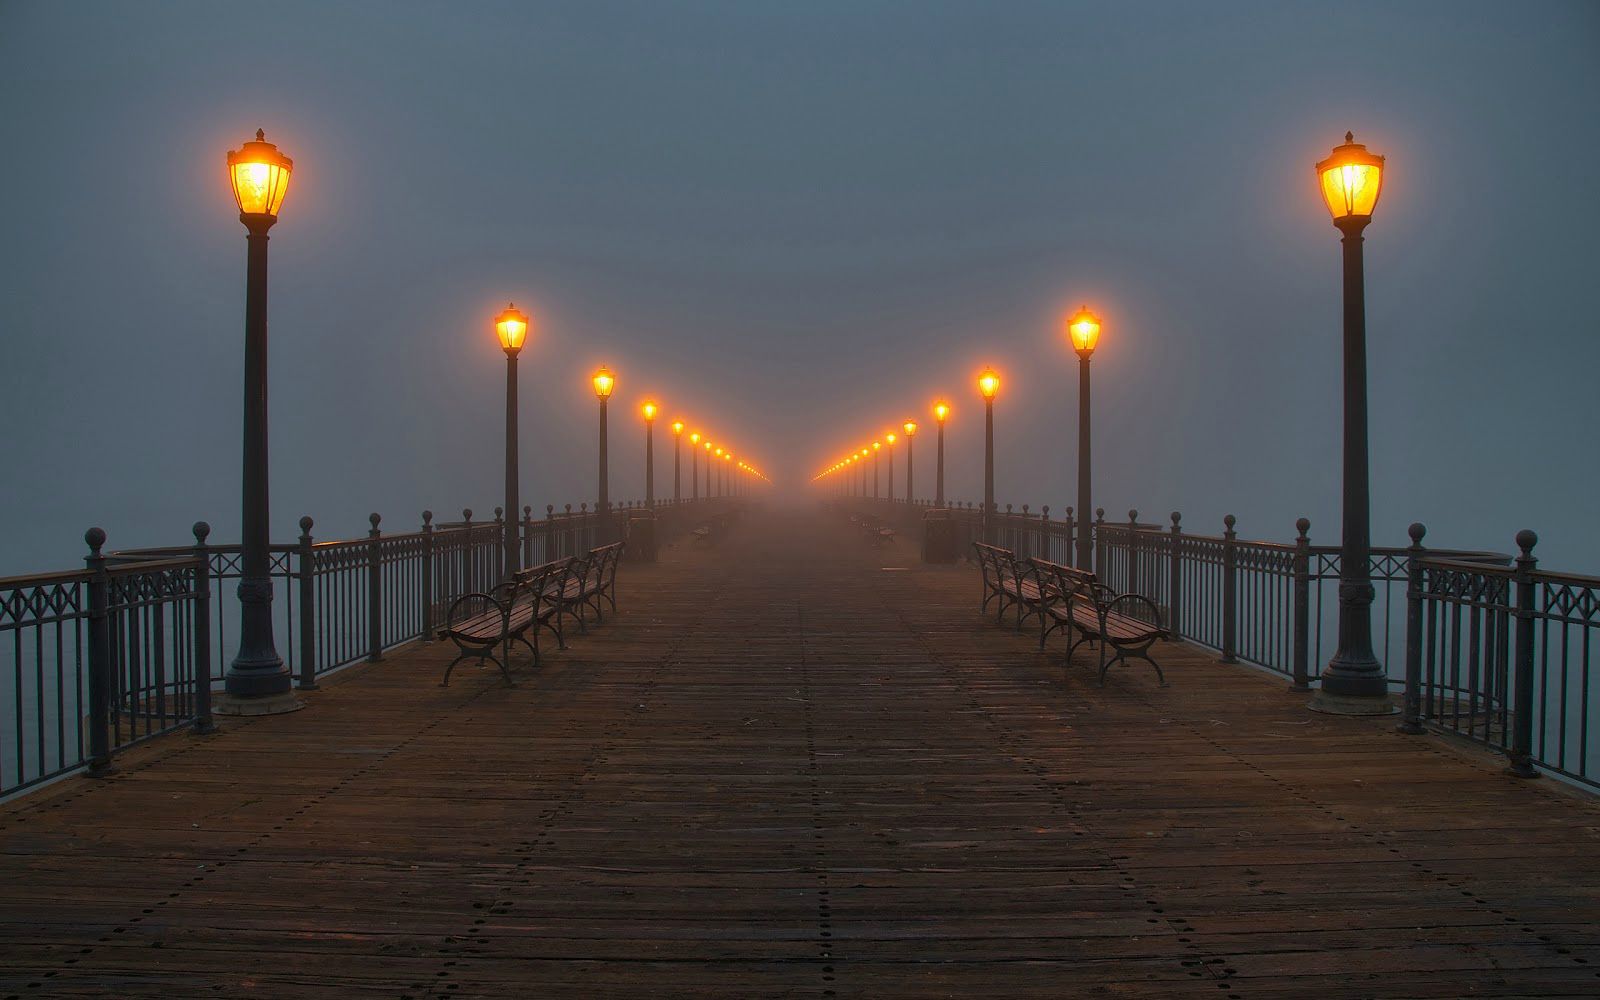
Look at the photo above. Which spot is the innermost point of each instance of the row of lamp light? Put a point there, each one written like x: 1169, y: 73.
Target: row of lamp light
x: 1350, y: 180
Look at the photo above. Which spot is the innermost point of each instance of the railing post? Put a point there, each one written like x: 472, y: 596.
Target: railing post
x: 552, y: 544
x: 1230, y: 595
x: 374, y: 593
x: 427, y: 576
x: 468, y: 579
x: 1522, y: 667
x: 527, y: 537
x: 99, y: 655
x: 1302, y: 607
x: 1099, y: 544
x: 306, y: 581
x: 1133, y: 552
x: 1175, y: 578
x: 500, y: 525
x: 1411, y: 712
x: 1069, y: 557
x: 203, y: 722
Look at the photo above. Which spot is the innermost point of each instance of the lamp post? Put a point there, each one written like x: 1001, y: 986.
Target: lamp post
x: 877, y: 446
x: 941, y: 410
x: 889, y: 471
x: 604, y: 383
x: 1083, y: 330
x: 677, y: 461
x: 260, y: 178
x: 718, y: 453
x: 512, y: 328
x: 910, y: 427
x: 649, y: 411
x: 1353, y: 682
x: 694, y: 466
x: 708, y: 470
x: 988, y: 388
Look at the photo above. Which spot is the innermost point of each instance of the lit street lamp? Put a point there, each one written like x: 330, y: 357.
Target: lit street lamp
x: 1354, y: 683
x: 604, y: 383
x: 649, y: 411
x: 512, y: 328
x: 694, y: 466
x: 941, y: 411
x: 260, y: 178
x: 677, y: 461
x: 876, y: 447
x: 988, y: 388
x: 910, y: 427
x: 708, y: 470
x: 889, y: 471
x: 1084, y: 331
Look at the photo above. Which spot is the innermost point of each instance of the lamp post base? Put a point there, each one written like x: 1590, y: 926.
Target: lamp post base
x: 1344, y: 704
x: 271, y: 704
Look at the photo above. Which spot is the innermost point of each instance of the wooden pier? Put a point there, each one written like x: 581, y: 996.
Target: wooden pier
x: 799, y: 765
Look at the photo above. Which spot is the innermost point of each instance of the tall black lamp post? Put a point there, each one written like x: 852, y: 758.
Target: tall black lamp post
x: 888, y: 472
x: 649, y: 411
x: 1084, y: 332
x: 694, y: 466
x: 988, y: 388
x: 260, y: 178
x: 512, y: 328
x: 604, y: 383
x: 877, y: 446
x: 677, y: 461
x: 910, y: 427
x: 1354, y: 682
x: 941, y: 411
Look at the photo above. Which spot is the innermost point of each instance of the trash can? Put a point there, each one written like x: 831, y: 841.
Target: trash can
x: 938, y: 536
x: 641, y: 536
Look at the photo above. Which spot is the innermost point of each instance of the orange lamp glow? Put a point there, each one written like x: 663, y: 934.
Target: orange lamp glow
x: 694, y: 438
x: 941, y: 411
x: 1084, y: 330
x: 877, y: 445
x: 719, y: 452
x: 1351, y: 180
x: 604, y: 382
x: 512, y: 326
x: 260, y: 177
x: 889, y: 437
x: 708, y: 446
x: 910, y: 428
x: 988, y: 384
x: 649, y: 410
x: 677, y: 428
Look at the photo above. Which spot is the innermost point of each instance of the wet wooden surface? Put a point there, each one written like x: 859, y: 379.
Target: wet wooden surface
x: 791, y: 767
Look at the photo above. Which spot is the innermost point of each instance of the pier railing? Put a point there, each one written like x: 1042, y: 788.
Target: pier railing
x: 1470, y: 637
x: 133, y: 645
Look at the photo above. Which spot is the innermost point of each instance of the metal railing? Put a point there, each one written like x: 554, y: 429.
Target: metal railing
x: 78, y: 684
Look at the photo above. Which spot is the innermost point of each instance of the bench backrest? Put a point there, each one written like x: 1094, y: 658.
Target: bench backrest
x: 604, y: 561
x: 542, y: 583
x: 1069, y: 581
x: 994, y: 562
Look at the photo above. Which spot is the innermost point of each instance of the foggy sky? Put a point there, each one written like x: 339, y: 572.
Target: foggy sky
x: 795, y: 225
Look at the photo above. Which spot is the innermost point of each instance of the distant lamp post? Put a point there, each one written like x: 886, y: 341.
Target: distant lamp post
x: 877, y: 446
x: 694, y: 466
x: 988, y: 388
x: 1083, y: 329
x: 1354, y: 682
x: 910, y: 427
x: 677, y: 461
x: 649, y: 410
x: 512, y: 328
x: 708, y: 470
x: 718, y: 452
x: 941, y: 412
x: 260, y: 178
x: 604, y: 383
x: 889, y: 470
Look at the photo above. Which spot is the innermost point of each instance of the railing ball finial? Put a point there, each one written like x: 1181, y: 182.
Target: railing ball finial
x: 569, y: 508
x: 1416, y: 531
x: 1069, y: 510
x: 1133, y: 515
x: 499, y: 512
x: 527, y: 511
x: 1024, y: 509
x: 549, y: 510
x: 1044, y: 512
x: 1100, y: 512
x: 374, y: 517
x: 1228, y: 521
x: 466, y: 513
x: 1303, y: 526
x: 1526, y: 540
x: 1176, y: 517
x: 201, y: 531
x: 427, y: 517
x: 96, y: 537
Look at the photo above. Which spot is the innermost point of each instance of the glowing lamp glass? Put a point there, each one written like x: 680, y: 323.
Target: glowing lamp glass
x: 988, y: 384
x: 1083, y: 329
x: 941, y: 411
x: 910, y: 427
x: 260, y: 176
x: 649, y: 410
x: 677, y: 427
x: 889, y: 438
x: 604, y: 382
x: 1351, y: 180
x: 512, y: 328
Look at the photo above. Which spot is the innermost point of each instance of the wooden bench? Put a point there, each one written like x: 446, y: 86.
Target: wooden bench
x: 1009, y: 583
x: 479, y: 623
x: 591, y: 584
x: 1072, y: 600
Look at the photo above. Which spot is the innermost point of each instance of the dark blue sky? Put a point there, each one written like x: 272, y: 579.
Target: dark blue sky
x: 795, y: 224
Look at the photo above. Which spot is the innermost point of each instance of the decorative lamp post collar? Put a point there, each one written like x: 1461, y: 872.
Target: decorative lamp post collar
x: 260, y: 178
x: 1351, y: 179
x: 512, y: 328
x: 1083, y: 329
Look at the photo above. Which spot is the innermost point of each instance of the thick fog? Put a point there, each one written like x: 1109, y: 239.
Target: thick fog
x: 795, y: 224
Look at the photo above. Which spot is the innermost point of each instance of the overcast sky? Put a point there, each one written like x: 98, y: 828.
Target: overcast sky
x: 795, y: 224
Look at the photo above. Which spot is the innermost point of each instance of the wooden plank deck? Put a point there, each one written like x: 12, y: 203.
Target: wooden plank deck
x: 787, y: 770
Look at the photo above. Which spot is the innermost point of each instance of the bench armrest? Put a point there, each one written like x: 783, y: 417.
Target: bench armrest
x: 1128, y: 605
